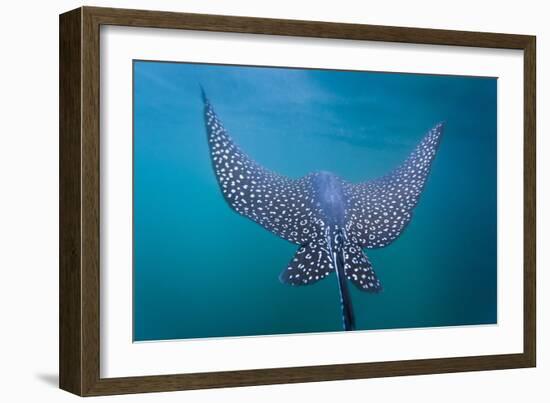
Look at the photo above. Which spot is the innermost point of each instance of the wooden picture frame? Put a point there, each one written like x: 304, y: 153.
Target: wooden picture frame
x: 79, y: 346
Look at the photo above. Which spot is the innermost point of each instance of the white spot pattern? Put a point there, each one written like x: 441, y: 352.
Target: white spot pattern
x: 358, y: 269
x: 310, y: 264
x: 379, y: 210
x: 282, y: 205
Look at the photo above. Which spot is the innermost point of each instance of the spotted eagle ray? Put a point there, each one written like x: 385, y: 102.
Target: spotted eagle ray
x: 330, y: 218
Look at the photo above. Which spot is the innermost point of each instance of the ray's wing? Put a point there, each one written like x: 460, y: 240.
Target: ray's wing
x: 379, y: 210
x: 281, y: 205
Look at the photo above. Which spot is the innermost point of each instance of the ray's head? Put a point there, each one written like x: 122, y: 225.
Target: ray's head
x: 330, y: 196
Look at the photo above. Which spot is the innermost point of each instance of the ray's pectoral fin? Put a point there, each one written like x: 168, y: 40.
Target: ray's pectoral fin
x: 311, y: 263
x: 381, y: 209
x: 358, y: 269
x: 279, y: 204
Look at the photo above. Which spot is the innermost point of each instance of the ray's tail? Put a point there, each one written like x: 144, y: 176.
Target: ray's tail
x: 345, y: 297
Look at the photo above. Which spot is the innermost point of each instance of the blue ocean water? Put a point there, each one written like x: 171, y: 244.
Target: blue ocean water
x: 201, y: 270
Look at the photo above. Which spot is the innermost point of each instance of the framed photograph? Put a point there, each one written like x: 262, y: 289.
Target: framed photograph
x: 249, y: 201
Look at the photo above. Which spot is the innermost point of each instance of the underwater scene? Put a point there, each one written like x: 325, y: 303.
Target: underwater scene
x: 274, y: 200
